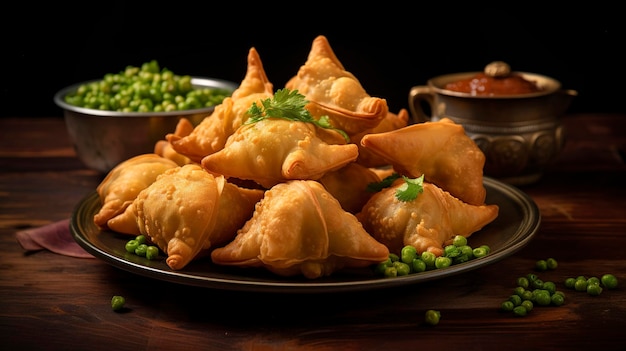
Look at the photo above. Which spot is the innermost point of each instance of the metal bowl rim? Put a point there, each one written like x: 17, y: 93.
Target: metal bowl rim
x: 195, y: 81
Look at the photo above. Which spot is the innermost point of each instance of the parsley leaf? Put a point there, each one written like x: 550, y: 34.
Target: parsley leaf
x: 410, y: 189
x: 289, y: 105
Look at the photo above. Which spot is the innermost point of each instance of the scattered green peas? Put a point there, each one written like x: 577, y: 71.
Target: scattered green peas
x: 117, y: 302
x: 414, y: 262
x: 557, y: 299
x: 432, y: 317
x: 528, y: 305
x: 140, y: 247
x: 523, y: 282
x: 480, y: 252
x: 580, y: 284
x: 609, y: 281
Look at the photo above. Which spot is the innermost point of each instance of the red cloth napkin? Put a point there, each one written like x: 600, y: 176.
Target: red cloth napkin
x: 55, y: 237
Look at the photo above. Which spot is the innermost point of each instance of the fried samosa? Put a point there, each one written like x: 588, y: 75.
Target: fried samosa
x: 441, y: 151
x: 391, y: 122
x: 187, y: 211
x: 164, y: 149
x: 427, y: 223
x: 274, y: 150
x: 298, y: 228
x: 123, y: 183
x: 334, y: 92
x: 349, y: 185
x: 210, y: 135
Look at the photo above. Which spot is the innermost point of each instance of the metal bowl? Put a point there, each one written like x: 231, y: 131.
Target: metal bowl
x: 103, y: 139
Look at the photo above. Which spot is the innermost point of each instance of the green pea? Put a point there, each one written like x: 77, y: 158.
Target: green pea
x: 432, y: 317
x: 543, y: 298
x: 117, y: 302
x: 519, y: 291
x: 523, y: 282
x: 580, y: 284
x: 528, y: 304
x: 418, y: 265
x: 141, y: 250
x: 541, y: 265
x: 480, y: 252
x: 570, y: 282
x: 550, y: 286
x: 515, y: 299
x: 537, y: 283
x: 429, y: 258
x: 141, y: 239
x: 557, y: 299
x: 520, y: 311
x: 609, y: 281
x: 131, y: 245
x: 593, y: 280
x: 393, y: 257
x: 380, y: 267
x: 451, y: 251
x: 552, y: 263
x: 459, y: 240
x: 152, y: 252
x: 408, y: 254
x: 507, y: 306
x: 402, y: 268
x: 594, y: 289
x: 443, y: 262
x: 391, y: 272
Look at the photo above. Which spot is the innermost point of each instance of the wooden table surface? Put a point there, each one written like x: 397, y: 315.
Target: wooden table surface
x: 54, y: 302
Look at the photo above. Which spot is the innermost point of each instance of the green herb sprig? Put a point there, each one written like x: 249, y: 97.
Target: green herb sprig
x: 406, y: 192
x: 290, y: 105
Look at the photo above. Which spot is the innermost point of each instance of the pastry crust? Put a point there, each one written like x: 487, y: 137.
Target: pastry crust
x: 123, y: 183
x: 276, y: 150
x: 334, y: 92
x: 299, y: 228
x: 441, y: 151
x: 427, y: 223
x: 211, y: 134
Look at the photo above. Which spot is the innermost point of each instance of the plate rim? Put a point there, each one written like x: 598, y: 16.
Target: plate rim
x: 523, y: 235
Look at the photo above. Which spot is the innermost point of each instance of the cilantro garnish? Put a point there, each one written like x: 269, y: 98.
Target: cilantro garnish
x: 410, y: 189
x: 405, y: 192
x: 290, y: 105
x: 385, y: 183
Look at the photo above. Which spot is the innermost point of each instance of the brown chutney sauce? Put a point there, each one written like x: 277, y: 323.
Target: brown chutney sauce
x: 482, y: 84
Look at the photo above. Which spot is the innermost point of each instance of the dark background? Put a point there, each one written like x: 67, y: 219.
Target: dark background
x: 389, y: 46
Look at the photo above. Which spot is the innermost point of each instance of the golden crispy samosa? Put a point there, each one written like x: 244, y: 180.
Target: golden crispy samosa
x: 391, y: 122
x: 210, y: 135
x: 124, y: 182
x: 187, y: 211
x: 349, y: 185
x: 235, y: 206
x: 164, y: 149
x: 427, y: 223
x: 441, y: 151
x: 298, y: 228
x: 274, y: 150
x: 335, y: 92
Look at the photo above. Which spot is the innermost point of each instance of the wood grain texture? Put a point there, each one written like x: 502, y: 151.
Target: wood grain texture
x: 53, y: 302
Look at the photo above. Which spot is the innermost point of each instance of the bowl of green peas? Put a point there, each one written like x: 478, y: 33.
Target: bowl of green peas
x: 124, y: 114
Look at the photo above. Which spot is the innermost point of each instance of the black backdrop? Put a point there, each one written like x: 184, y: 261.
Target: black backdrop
x: 389, y: 46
